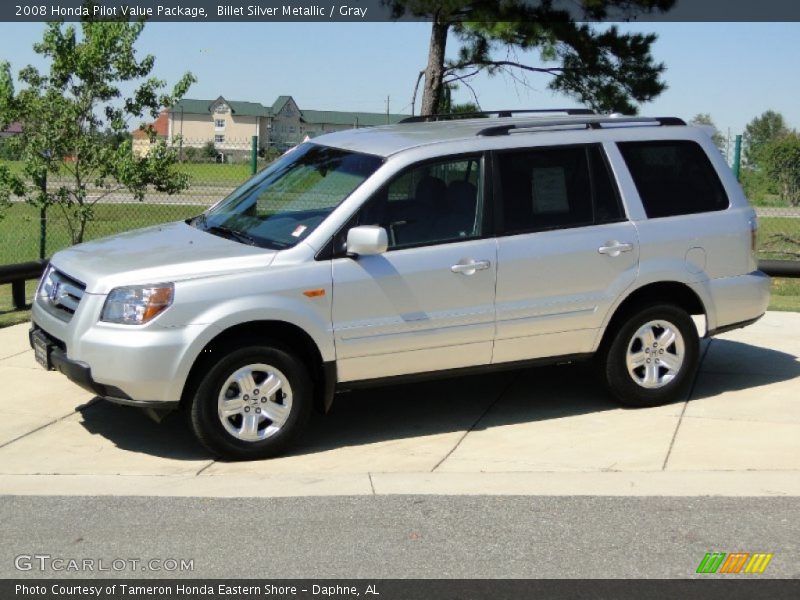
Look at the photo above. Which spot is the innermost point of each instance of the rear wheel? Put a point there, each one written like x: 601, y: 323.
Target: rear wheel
x: 653, y: 357
x: 252, y: 403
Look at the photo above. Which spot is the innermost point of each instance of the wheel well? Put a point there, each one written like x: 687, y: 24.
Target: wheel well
x: 663, y: 292
x: 291, y: 337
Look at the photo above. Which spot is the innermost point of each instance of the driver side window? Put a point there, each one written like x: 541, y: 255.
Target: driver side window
x: 431, y: 203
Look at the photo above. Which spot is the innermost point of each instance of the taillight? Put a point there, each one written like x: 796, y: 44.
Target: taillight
x: 754, y: 236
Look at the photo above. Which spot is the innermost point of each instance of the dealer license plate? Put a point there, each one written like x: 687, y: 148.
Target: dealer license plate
x: 41, y: 350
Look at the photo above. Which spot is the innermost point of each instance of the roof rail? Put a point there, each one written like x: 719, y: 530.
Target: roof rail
x: 595, y: 122
x: 499, y: 113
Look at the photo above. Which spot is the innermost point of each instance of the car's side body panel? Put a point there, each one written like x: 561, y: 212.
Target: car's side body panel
x: 406, y: 311
x: 557, y: 283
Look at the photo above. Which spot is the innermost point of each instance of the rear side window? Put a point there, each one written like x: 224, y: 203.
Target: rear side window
x: 556, y: 188
x: 673, y: 177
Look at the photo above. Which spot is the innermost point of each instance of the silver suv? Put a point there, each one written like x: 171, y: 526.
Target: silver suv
x: 425, y: 248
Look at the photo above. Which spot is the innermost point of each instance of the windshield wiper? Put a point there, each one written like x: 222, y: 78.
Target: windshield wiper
x: 239, y: 236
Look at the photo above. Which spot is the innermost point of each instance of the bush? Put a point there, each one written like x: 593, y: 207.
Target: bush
x: 190, y: 154
x: 782, y: 164
x: 759, y: 188
x: 7, y: 152
x: 209, y: 151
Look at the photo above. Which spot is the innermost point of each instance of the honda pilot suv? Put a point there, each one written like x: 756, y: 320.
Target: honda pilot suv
x: 431, y: 247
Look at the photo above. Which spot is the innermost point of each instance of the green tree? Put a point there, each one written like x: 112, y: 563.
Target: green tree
x: 600, y: 67
x: 705, y: 120
x: 210, y: 150
x: 760, y: 132
x: 781, y: 160
x: 75, y: 119
x: 447, y: 106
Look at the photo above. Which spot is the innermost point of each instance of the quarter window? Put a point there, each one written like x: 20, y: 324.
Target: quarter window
x: 673, y: 177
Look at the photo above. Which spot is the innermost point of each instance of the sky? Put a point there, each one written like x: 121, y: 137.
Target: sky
x: 734, y: 71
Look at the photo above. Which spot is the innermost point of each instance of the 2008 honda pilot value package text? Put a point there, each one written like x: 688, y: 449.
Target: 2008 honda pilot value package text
x: 427, y: 247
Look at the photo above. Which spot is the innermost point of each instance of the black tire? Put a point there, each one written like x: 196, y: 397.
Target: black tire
x: 629, y: 387
x: 207, y: 423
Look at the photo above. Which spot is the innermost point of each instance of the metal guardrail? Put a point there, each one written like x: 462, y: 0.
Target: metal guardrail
x: 780, y: 268
x: 17, y: 275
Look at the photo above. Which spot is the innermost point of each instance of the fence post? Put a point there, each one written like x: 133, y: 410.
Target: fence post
x: 43, y: 220
x: 253, y: 154
x: 737, y: 156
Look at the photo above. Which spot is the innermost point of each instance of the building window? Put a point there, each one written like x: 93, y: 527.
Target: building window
x: 221, y: 109
x: 219, y: 123
x: 219, y: 139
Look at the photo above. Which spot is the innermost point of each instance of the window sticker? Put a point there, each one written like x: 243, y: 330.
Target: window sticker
x: 549, y: 191
x: 299, y: 230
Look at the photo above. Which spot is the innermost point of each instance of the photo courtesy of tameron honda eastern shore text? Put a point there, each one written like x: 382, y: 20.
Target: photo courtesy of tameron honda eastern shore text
x: 430, y: 247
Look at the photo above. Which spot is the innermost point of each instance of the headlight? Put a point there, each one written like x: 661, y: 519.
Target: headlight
x: 137, y: 304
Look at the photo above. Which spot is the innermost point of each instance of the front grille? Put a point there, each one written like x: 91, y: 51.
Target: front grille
x: 59, y: 294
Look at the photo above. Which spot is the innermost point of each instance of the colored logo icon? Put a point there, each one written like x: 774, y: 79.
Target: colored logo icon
x: 734, y: 563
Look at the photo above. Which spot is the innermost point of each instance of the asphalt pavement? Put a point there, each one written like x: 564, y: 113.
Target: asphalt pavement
x: 400, y: 536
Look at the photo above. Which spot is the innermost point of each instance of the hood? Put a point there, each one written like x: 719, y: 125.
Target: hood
x: 170, y: 252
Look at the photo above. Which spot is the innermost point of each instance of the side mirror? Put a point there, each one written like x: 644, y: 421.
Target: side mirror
x: 366, y: 240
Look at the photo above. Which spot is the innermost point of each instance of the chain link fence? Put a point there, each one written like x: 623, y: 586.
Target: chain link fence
x: 28, y: 233
x: 778, y: 232
x: 215, y: 169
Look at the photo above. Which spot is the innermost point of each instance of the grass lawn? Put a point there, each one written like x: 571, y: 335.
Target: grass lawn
x: 779, y: 238
x: 9, y: 316
x: 785, y: 294
x: 227, y: 174
x: 19, y: 228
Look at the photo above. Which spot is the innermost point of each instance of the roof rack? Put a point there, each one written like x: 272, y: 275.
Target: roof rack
x: 499, y: 113
x: 595, y: 122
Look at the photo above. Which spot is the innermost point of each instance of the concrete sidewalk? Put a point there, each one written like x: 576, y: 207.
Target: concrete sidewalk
x: 539, y: 431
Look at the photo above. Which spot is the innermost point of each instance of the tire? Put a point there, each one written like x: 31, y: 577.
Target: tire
x: 235, y: 418
x: 652, y: 358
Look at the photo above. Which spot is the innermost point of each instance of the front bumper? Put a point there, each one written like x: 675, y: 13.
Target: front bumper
x: 80, y: 373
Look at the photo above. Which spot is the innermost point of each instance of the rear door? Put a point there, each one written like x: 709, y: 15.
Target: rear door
x: 566, y: 250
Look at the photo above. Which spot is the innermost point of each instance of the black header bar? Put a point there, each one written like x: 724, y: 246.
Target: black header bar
x: 711, y: 588
x: 267, y: 11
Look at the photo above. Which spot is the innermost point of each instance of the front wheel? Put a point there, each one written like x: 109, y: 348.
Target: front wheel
x: 252, y: 403
x: 653, y: 357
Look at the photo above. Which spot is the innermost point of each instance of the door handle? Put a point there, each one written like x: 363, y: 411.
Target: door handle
x: 470, y: 266
x: 615, y: 248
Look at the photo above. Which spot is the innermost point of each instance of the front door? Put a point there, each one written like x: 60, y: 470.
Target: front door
x: 427, y: 303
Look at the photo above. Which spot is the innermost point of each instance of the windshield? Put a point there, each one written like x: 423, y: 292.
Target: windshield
x: 284, y: 203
